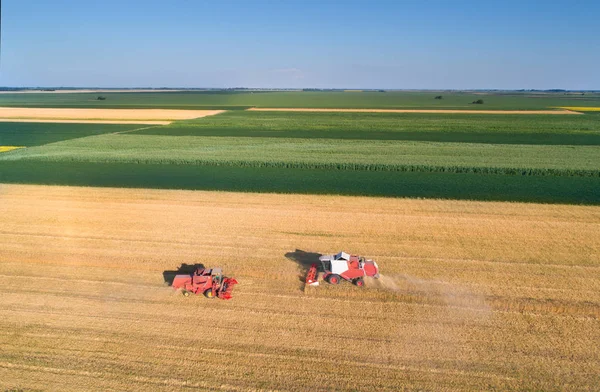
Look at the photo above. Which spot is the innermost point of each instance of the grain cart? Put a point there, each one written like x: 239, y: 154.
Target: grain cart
x: 343, y: 266
x: 207, y: 281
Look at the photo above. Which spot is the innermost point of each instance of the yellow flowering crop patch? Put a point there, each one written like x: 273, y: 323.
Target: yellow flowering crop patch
x: 8, y: 148
x: 582, y: 108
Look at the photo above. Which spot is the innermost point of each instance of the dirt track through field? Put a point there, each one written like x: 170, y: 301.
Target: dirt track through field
x: 474, y: 296
x: 438, y: 111
x: 102, y: 116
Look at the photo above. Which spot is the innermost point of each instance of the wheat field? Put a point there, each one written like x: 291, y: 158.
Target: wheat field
x: 474, y: 295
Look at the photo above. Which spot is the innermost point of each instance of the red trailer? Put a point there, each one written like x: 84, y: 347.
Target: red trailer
x: 207, y: 281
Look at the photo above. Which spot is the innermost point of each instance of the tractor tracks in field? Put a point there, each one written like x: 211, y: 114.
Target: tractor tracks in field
x: 220, y: 245
x: 168, y: 382
x: 473, y: 303
x: 135, y: 130
x: 310, y: 357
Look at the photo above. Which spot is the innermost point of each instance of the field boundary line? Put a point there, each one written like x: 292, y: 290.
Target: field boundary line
x: 136, y: 129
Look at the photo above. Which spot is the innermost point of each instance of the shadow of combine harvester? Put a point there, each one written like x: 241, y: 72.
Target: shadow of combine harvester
x: 184, y: 269
x: 304, y: 260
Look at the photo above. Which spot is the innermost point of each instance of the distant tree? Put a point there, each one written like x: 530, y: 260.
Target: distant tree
x: 478, y: 102
x: 101, y: 98
x: 438, y: 97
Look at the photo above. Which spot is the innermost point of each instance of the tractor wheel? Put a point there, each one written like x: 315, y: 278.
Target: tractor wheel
x: 186, y: 293
x: 359, y: 282
x: 209, y: 294
x: 334, y: 279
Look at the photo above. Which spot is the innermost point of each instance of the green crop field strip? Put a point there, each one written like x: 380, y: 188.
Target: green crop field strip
x: 466, y: 128
x: 468, y: 156
x: 35, y: 134
x: 467, y: 186
x: 372, y: 155
x: 294, y: 99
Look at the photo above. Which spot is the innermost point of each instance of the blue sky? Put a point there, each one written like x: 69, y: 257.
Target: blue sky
x: 327, y: 44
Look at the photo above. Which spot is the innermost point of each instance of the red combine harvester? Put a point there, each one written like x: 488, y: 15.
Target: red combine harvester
x: 343, y: 266
x: 208, y: 281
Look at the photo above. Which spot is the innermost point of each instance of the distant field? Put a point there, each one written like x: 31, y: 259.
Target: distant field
x: 473, y: 296
x: 294, y: 99
x: 560, y: 111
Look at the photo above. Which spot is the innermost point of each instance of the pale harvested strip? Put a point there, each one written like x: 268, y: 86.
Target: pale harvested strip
x: 103, y: 114
x: 141, y: 122
x: 474, y: 296
x: 439, y: 111
x: 85, y: 91
x: 9, y: 148
x: 582, y: 108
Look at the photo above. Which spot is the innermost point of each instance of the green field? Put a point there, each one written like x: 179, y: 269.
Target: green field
x: 35, y: 134
x: 295, y: 99
x: 370, y: 155
x: 488, y: 157
x: 466, y: 186
x: 464, y: 128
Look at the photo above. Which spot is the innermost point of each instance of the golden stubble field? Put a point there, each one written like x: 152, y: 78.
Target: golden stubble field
x: 101, y: 116
x: 475, y: 296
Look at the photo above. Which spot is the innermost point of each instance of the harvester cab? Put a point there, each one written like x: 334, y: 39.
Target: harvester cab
x: 208, y: 281
x: 343, y: 266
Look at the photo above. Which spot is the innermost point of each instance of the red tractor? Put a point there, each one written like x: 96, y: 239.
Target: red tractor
x: 343, y: 266
x: 208, y: 281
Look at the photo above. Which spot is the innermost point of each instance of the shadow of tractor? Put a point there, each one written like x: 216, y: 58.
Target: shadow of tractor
x: 184, y: 269
x: 304, y: 260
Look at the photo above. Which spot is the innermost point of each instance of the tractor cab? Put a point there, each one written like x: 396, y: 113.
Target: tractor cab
x: 214, y: 272
x: 342, y: 256
x: 340, y: 262
x: 217, y: 274
x: 201, y: 271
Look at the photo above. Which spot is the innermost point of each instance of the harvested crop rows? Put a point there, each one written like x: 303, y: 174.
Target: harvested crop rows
x: 474, y: 295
